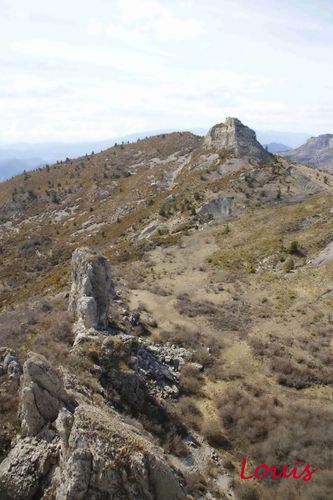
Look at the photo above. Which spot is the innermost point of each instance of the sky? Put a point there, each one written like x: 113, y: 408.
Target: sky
x: 84, y: 70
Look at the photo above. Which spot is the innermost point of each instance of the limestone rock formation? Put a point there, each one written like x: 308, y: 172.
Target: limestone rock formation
x: 102, y: 457
x: 42, y: 395
x: 138, y: 373
x: 234, y: 138
x: 77, y: 442
x: 91, y: 288
x: 77, y: 449
x: 10, y: 366
x: 26, y: 469
x: 217, y: 208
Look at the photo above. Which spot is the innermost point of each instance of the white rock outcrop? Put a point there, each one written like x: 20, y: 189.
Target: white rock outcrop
x: 42, y: 395
x: 73, y: 449
x: 91, y: 289
x: 235, y: 138
x: 26, y: 468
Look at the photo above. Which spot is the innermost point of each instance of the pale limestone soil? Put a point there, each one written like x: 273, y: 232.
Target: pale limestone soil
x: 180, y: 270
x: 277, y: 305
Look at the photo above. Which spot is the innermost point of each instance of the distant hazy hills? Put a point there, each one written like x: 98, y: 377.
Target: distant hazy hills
x: 13, y: 166
x: 275, y: 147
x: 317, y: 152
x: 291, y: 139
x: 15, y: 158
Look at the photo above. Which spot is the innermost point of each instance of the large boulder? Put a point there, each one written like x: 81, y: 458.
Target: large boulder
x: 104, y: 458
x: 42, y: 395
x: 91, y: 288
x: 218, y: 207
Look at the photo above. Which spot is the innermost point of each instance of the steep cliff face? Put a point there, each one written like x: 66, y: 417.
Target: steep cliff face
x: 234, y: 137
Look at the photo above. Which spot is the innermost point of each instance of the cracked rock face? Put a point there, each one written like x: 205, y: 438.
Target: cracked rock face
x: 217, y: 208
x: 42, y: 395
x: 91, y: 288
x: 77, y: 450
x: 234, y: 137
x: 103, y: 457
x: 25, y: 468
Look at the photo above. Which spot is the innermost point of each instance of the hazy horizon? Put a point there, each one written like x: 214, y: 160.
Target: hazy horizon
x: 73, y: 72
x: 196, y: 130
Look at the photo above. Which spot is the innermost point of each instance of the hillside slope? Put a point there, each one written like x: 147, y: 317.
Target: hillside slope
x: 222, y: 277
x: 316, y: 152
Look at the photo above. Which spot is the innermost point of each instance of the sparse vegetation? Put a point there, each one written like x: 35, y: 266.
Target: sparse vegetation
x: 258, y: 373
x: 294, y: 248
x: 289, y: 265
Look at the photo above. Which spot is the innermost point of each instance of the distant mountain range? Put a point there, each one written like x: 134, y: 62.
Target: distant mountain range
x: 14, y: 158
x: 275, y: 147
x: 317, y: 152
x: 292, y: 139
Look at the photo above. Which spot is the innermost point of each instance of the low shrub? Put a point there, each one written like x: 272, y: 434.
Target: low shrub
x: 191, y: 380
x: 289, y: 265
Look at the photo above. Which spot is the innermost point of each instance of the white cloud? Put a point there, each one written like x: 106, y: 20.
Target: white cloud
x: 124, y: 65
x: 95, y: 27
x: 147, y: 19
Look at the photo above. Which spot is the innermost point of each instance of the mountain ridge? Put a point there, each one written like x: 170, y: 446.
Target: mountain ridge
x: 50, y: 152
x: 316, y: 152
x: 177, y: 293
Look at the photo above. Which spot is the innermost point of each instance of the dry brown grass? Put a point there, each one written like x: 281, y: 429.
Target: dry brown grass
x: 9, y: 424
x: 43, y: 326
x: 191, y: 380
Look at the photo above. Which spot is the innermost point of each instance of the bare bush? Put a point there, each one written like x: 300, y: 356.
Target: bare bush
x: 191, y: 380
x: 213, y: 431
x: 183, y: 336
x: 177, y: 446
x: 189, y: 412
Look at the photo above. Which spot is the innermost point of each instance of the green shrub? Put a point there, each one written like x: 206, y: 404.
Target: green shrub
x: 250, y: 268
x: 294, y: 248
x: 289, y: 265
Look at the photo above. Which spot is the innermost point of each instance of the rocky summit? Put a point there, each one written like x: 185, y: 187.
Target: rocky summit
x: 166, y: 311
x: 235, y: 138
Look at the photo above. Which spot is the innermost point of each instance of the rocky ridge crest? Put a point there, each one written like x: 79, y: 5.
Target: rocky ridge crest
x: 237, y: 139
x: 72, y: 447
